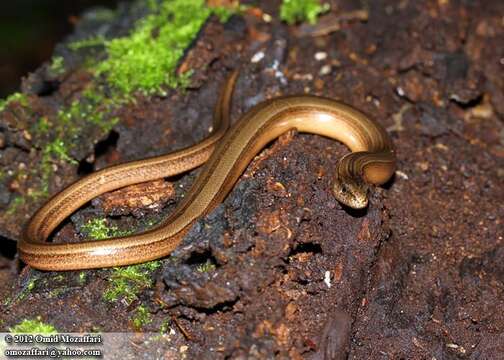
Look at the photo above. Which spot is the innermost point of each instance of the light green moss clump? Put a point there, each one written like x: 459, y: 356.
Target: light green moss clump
x: 82, y: 277
x: 27, y: 289
x: 52, y: 152
x: 165, y: 327
x: 58, y: 149
x: 57, y: 66
x: 31, y: 285
x: 142, y: 317
x: 98, y: 229
x: 292, y: 11
x: 41, y: 126
x: 208, y: 266
x: 33, y: 327
x: 127, y: 282
x: 91, y: 110
x: 16, y: 97
x: 15, y: 204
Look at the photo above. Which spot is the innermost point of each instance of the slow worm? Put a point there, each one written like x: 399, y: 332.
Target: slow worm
x: 226, y: 152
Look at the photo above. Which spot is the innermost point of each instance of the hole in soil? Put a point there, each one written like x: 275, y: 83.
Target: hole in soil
x: 468, y: 104
x: 203, y: 262
x: 306, y: 248
x: 105, y: 146
x: 356, y: 213
x: 85, y: 167
x: 389, y: 182
x: 47, y: 88
x: 8, y: 248
x: 101, y: 148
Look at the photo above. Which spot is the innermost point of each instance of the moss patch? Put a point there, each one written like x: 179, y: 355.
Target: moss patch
x: 165, y: 327
x: 16, y: 97
x: 58, y: 136
x: 15, y: 204
x: 142, y: 317
x: 146, y: 60
x: 82, y: 277
x: 41, y: 126
x: 33, y: 327
x: 209, y: 266
x: 59, y: 150
x: 98, y: 229
x: 127, y: 282
x: 292, y: 11
x: 57, y: 66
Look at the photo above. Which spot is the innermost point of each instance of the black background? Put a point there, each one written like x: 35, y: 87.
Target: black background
x: 29, y: 30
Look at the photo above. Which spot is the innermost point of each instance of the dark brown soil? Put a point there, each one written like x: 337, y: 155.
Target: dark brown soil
x: 418, y: 275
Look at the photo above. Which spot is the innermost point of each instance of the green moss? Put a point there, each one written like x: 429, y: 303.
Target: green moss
x: 8, y: 300
x: 96, y: 329
x: 165, y: 327
x: 15, y: 204
x: 127, y: 282
x: 48, y: 134
x: 98, y: 229
x: 41, y: 126
x: 92, y: 108
x: 292, y: 11
x: 206, y: 267
x: 142, y: 317
x: 146, y: 60
x: 31, y: 285
x: 82, y: 277
x: 58, y: 135
x: 54, y: 151
x: 58, y: 285
x: 33, y: 327
x: 57, y: 66
x: 45, y: 172
x: 59, y: 150
x: 54, y: 293
x: 16, y: 97
x: 27, y: 289
x: 58, y: 277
